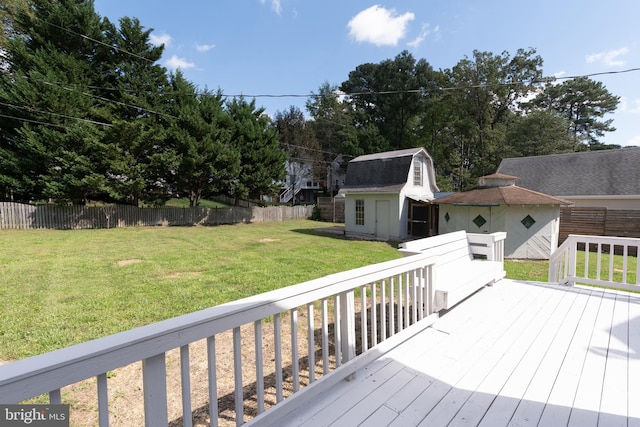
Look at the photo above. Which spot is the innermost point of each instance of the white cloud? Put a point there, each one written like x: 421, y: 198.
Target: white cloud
x: 160, y: 39
x: 609, y: 58
x: 380, y: 26
x: 275, y: 5
x: 426, y: 31
x: 174, y: 63
x: 634, y: 141
x: 205, y: 47
x: 630, y: 106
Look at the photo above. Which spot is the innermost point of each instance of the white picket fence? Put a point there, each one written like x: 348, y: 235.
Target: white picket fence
x: 24, y: 216
x: 590, y: 260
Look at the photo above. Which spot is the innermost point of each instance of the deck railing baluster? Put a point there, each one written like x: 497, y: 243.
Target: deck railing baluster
x: 185, y: 381
x: 325, y: 336
x: 277, y: 336
x: 311, y: 344
x: 257, y: 332
x: 237, y: 375
x: 213, y: 380
x: 154, y: 379
x: 363, y: 320
x: 295, y: 371
x: 103, y: 400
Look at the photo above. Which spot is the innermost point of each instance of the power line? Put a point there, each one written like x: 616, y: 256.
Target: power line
x: 33, y: 110
x: 22, y: 119
x: 84, y: 36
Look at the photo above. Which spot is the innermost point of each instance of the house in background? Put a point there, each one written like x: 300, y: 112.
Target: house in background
x: 387, y: 195
x: 300, y: 183
x: 531, y: 219
x: 607, y: 178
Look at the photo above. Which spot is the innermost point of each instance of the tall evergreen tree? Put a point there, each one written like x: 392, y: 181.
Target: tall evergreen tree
x: 583, y: 103
x: 207, y: 162
x: 261, y: 159
x: 139, y: 159
x: 50, y: 139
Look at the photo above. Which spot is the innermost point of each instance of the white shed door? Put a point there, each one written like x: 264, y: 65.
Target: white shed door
x: 382, y: 219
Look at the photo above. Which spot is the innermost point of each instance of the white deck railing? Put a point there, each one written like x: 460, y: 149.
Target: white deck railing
x: 356, y: 310
x: 597, y: 260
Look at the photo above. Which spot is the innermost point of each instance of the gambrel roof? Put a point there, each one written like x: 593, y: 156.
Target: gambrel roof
x: 591, y: 173
x: 384, y: 172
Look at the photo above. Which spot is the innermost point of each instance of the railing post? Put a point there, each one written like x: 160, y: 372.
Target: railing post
x: 154, y: 378
x: 347, y: 327
x: 573, y: 254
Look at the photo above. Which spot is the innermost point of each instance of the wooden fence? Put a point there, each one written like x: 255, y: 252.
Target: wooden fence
x: 599, y: 222
x: 331, y: 208
x: 18, y: 215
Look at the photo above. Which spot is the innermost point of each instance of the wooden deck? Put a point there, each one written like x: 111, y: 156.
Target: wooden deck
x: 514, y: 354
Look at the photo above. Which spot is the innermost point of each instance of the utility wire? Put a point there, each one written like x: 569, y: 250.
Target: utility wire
x: 33, y: 110
x: 84, y: 36
x: 22, y: 119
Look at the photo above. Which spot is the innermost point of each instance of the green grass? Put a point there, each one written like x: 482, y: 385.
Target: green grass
x: 538, y: 270
x: 527, y: 270
x: 65, y: 287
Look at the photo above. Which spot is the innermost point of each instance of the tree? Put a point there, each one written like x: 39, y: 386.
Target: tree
x: 538, y: 133
x: 207, y: 163
x: 51, y: 128
x: 139, y: 160
x: 583, y: 103
x: 256, y: 140
x: 386, y: 99
x: 297, y: 138
x: 484, y: 94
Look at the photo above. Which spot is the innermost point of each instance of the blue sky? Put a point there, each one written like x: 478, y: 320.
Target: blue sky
x: 290, y: 47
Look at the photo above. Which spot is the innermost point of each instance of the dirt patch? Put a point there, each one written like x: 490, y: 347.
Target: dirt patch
x: 124, y: 262
x: 125, y: 385
x: 181, y: 274
x: 268, y: 240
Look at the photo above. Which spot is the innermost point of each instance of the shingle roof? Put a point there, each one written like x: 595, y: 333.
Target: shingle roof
x: 592, y: 173
x: 380, y: 172
x: 507, y: 195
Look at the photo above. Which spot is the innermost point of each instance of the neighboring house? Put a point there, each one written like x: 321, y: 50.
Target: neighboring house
x: 531, y: 219
x: 300, y: 183
x: 607, y: 178
x: 385, y: 193
x: 336, y: 174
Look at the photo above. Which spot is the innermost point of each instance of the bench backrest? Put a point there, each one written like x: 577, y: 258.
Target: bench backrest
x: 450, y: 247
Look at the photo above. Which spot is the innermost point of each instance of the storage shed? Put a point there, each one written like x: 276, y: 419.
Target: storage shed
x: 531, y: 219
x: 387, y: 195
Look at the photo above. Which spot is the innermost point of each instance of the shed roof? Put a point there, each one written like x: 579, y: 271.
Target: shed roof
x: 507, y: 195
x: 382, y: 172
x: 591, y: 173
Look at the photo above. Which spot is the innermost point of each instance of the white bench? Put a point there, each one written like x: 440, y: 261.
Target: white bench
x: 466, y: 262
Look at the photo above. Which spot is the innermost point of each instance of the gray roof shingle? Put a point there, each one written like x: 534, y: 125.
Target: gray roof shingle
x: 381, y: 171
x: 591, y: 173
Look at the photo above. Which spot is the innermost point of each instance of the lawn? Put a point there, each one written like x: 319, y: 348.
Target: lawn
x: 65, y: 287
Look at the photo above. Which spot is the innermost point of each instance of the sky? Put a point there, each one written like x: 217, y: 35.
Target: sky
x: 292, y: 47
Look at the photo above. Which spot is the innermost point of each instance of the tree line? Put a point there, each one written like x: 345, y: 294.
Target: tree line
x: 87, y: 113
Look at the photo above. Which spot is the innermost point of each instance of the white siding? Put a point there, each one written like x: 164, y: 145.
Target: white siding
x: 536, y: 242
x: 368, y: 230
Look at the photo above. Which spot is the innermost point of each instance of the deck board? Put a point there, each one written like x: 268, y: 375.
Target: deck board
x: 512, y: 354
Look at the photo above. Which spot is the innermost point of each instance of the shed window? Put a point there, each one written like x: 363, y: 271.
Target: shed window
x: 359, y: 212
x: 417, y: 172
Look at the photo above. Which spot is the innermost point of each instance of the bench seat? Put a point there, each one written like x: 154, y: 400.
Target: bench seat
x: 458, y: 273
